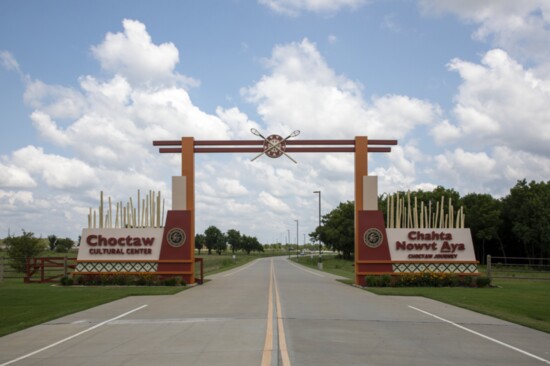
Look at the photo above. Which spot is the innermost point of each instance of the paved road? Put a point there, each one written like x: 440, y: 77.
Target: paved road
x: 274, y: 312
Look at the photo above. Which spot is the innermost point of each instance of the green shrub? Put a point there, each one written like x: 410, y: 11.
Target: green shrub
x: 141, y: 280
x: 371, y: 281
x: 426, y: 279
x: 466, y: 281
x: 170, y: 281
x: 385, y: 281
x: 66, y: 281
x: 483, y: 281
x: 124, y: 280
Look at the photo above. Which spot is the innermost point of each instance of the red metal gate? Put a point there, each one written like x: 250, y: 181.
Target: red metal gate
x: 48, y: 269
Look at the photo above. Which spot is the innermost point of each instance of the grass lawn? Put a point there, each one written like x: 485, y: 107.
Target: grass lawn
x: 24, y: 305
x: 523, y: 302
x: 519, y: 301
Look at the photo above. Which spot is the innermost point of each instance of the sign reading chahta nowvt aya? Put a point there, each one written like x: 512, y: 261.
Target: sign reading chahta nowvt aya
x: 120, y: 244
x: 431, y: 245
x: 412, y: 250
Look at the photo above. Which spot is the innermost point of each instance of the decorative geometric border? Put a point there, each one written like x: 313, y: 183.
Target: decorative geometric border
x: 129, y: 267
x: 461, y: 268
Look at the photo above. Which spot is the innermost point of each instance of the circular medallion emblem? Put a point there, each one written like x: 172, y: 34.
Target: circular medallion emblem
x: 176, y: 237
x: 373, y: 238
x: 274, y: 146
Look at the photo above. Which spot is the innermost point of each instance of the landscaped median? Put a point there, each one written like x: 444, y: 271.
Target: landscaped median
x: 524, y: 302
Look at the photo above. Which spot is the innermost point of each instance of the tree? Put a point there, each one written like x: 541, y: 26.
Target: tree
x: 215, y: 239
x: 200, y: 241
x: 21, y: 248
x: 234, y: 239
x: 52, y: 242
x: 483, y: 217
x: 64, y: 245
x: 251, y: 244
x: 526, y: 211
x: 337, y: 229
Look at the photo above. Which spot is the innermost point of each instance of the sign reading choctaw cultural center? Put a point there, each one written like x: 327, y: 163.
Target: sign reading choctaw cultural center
x: 120, y: 244
x: 137, y: 240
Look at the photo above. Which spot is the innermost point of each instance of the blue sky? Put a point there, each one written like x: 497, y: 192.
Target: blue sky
x: 86, y: 86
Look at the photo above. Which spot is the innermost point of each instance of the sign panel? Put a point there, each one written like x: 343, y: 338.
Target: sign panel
x: 431, y: 245
x: 120, y: 244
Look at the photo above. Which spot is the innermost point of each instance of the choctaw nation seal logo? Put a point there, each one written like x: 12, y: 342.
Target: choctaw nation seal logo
x: 373, y: 238
x: 274, y: 146
x: 176, y: 237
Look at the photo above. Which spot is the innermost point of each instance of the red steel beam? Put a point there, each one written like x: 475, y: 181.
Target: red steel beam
x: 228, y: 142
x: 261, y: 142
x: 167, y: 143
x: 175, y: 150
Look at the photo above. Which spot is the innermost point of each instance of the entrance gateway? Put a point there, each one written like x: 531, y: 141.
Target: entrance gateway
x: 378, y: 250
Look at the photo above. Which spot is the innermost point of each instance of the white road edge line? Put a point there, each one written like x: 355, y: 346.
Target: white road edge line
x: 303, y: 269
x: 482, y: 336
x: 71, y: 337
x: 237, y: 271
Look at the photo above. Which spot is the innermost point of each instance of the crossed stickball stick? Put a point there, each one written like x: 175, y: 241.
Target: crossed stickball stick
x: 274, y: 142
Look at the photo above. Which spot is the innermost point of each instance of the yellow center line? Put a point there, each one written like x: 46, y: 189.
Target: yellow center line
x: 280, y: 326
x: 268, y: 345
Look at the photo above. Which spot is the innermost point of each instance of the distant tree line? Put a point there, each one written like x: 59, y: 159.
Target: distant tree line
x: 312, y: 247
x: 214, y: 239
x: 517, y: 225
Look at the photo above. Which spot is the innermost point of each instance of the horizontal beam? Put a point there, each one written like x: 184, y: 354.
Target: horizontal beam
x: 228, y: 142
x: 175, y: 150
x: 261, y: 142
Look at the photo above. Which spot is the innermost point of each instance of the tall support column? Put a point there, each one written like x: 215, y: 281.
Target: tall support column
x: 188, y: 171
x: 177, y: 255
x: 361, y: 170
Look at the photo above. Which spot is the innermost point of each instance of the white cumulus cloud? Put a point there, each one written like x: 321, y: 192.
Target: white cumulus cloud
x: 12, y: 176
x: 303, y: 92
x: 520, y: 27
x: 133, y: 55
x: 501, y: 103
x: 295, y: 7
x: 273, y: 203
x: 56, y: 171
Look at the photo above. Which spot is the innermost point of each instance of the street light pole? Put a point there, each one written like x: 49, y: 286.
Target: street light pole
x: 297, y: 240
x: 320, y: 245
x: 288, y: 241
x: 288, y: 246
